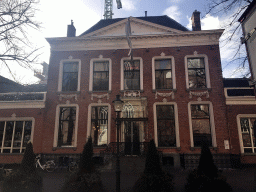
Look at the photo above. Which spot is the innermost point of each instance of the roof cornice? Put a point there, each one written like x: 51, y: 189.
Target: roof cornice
x: 217, y: 32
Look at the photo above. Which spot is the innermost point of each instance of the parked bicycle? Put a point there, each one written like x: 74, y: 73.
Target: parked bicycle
x: 48, y: 166
x: 73, y: 166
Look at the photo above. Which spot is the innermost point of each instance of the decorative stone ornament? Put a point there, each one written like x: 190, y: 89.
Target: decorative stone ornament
x: 195, y: 53
x: 165, y: 94
x: 100, y: 96
x: 132, y: 94
x: 100, y: 56
x: 70, y: 57
x: 13, y: 115
x: 162, y: 54
x: 198, y: 94
x: 69, y: 96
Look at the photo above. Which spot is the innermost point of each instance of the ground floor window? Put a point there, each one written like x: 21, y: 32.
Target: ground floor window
x: 67, y: 123
x: 14, y: 135
x: 201, y: 125
x: 99, y: 125
x: 166, y: 125
x: 248, y: 126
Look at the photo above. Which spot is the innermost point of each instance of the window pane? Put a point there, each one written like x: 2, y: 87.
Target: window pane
x: 201, y: 124
x: 100, y: 81
x: 196, y: 63
x: 8, y: 133
x: 27, y: 132
x: 100, y: 66
x: 163, y: 79
x: 163, y: 64
x: 166, y: 126
x: 99, y: 125
x: 196, y: 73
x: 67, y: 122
x: 132, y: 80
x: 128, y: 66
x: 2, y: 124
x: 70, y: 77
x: 18, y: 134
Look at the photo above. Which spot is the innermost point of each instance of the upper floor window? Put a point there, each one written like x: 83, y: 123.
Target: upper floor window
x: 66, y: 126
x: 197, y: 73
x: 69, y: 76
x: 163, y: 73
x: 100, y: 75
x: 14, y: 135
x: 132, y: 74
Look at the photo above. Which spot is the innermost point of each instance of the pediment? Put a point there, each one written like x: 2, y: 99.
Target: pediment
x: 138, y: 27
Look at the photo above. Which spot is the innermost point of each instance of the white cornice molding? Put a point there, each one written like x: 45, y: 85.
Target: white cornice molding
x: 22, y: 105
x: 138, y: 41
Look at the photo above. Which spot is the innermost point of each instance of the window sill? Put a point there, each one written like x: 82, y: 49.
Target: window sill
x: 106, y: 91
x: 68, y: 92
x: 248, y: 154
x: 193, y: 148
x: 141, y: 91
x: 178, y: 148
x: 155, y: 90
x: 198, y: 89
x: 67, y: 147
x: 12, y: 154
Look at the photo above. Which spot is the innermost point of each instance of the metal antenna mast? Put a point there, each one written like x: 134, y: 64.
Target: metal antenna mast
x: 108, y: 8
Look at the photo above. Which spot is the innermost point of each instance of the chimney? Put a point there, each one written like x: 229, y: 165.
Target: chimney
x: 196, y: 23
x: 146, y: 13
x: 71, y: 30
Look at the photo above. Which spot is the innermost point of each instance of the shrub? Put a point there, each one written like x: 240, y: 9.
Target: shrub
x: 86, y: 178
x: 25, y: 178
x: 153, y: 178
x: 206, y: 177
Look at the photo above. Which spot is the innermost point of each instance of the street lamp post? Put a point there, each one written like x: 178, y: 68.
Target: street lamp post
x: 118, y: 103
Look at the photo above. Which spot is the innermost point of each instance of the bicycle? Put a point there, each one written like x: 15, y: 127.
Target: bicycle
x: 49, y: 166
x: 73, y: 166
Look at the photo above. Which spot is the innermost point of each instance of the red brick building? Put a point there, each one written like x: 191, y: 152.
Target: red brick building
x: 172, y: 89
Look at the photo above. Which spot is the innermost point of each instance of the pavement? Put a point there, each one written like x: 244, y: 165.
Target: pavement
x: 241, y: 180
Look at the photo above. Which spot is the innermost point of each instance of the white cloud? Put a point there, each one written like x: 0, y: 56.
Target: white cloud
x: 207, y: 23
x: 173, y: 12
x: 128, y: 5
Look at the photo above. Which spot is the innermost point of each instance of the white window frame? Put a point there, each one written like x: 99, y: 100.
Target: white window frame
x: 206, y: 65
x: 212, y: 124
x: 18, y: 119
x: 122, y: 72
x: 56, y: 131
x: 61, y: 73
x: 238, y: 117
x: 176, y: 122
x: 109, y: 73
x: 154, y: 71
x: 89, y: 118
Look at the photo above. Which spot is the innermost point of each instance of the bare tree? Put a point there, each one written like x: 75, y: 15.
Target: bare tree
x: 232, y: 9
x: 16, y: 18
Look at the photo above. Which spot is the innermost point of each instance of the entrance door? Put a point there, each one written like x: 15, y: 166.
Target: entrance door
x: 131, y: 137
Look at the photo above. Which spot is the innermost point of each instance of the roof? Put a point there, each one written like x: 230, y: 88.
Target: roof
x: 160, y: 20
x: 7, y: 86
x: 236, y: 82
x: 249, y: 8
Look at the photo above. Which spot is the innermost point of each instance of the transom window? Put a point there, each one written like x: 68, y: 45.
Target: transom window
x: 101, y: 76
x: 201, y: 124
x: 163, y: 73
x: 99, y: 125
x: 131, y: 75
x: 67, y: 124
x: 14, y: 135
x: 196, y: 73
x: 166, y: 125
x: 70, y: 76
x: 247, y: 130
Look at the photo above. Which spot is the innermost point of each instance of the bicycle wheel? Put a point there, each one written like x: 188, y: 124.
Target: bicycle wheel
x: 72, y: 167
x: 50, y: 166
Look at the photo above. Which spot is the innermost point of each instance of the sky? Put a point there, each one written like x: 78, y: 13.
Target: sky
x: 55, y: 15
